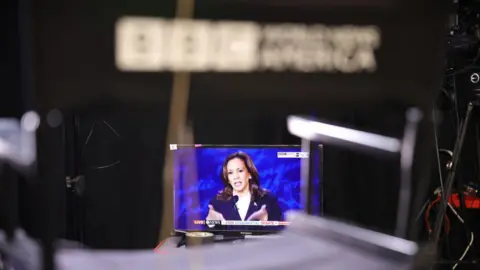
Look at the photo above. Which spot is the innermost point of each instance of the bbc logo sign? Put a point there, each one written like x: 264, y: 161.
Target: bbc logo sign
x: 158, y: 45
x: 149, y: 44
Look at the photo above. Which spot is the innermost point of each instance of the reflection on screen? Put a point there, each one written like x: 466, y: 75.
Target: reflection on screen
x: 241, y: 188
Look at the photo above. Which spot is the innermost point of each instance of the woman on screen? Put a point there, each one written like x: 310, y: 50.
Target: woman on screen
x: 242, y: 198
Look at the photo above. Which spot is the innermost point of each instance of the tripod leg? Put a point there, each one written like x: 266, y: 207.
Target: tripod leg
x: 406, y: 163
x: 439, y: 219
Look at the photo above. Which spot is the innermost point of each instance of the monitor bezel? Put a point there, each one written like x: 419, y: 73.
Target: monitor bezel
x: 319, y: 148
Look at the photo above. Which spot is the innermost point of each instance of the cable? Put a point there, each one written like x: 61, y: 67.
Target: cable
x: 421, y: 210
x: 107, y: 166
x: 447, y: 225
x: 472, y: 236
x: 438, y: 191
x: 111, y: 128
x: 455, y: 103
x: 427, y: 216
x: 451, y: 154
x: 437, y: 150
x: 442, y: 195
x: 446, y: 151
x: 87, y: 140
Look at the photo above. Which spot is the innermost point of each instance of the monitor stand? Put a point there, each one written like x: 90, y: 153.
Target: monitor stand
x: 217, y: 239
x: 229, y: 238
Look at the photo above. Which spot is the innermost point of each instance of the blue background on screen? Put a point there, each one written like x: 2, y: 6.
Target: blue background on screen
x: 281, y: 176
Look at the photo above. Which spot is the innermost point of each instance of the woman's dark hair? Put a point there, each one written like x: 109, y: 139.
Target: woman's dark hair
x: 255, y: 190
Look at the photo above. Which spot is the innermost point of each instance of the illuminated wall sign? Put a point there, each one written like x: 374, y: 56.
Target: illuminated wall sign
x: 155, y: 45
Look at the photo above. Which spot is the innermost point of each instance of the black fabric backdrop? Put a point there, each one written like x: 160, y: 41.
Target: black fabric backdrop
x: 121, y: 205
x: 358, y: 188
x: 11, y: 103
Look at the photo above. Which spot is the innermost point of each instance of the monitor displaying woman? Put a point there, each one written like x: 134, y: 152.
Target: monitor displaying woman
x: 238, y: 188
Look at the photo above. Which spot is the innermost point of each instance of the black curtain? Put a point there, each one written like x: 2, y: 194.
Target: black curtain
x: 121, y: 155
x: 24, y: 198
x: 123, y: 202
x: 11, y: 102
x: 74, y: 45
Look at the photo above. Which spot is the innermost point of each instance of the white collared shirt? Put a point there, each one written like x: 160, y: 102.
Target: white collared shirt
x: 242, y: 205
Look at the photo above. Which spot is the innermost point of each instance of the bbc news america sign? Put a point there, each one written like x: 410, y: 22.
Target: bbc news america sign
x: 157, y: 45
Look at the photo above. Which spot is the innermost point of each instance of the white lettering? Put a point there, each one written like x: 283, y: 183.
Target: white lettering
x: 235, y: 46
x: 188, y: 45
x: 139, y: 45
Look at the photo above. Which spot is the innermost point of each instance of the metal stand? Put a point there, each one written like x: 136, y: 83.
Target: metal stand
x: 75, y: 180
x: 307, y: 174
x: 312, y: 130
x: 439, y: 219
x: 308, y: 167
x: 406, y: 163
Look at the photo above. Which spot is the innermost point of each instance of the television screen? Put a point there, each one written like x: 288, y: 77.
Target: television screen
x: 239, y: 188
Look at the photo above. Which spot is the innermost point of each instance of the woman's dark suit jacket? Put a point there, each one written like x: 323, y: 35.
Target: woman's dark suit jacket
x: 229, y: 212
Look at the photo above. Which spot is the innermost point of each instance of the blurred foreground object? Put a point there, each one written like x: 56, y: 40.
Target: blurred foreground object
x: 309, y: 243
x: 18, y: 153
x: 18, y: 141
x: 310, y: 130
